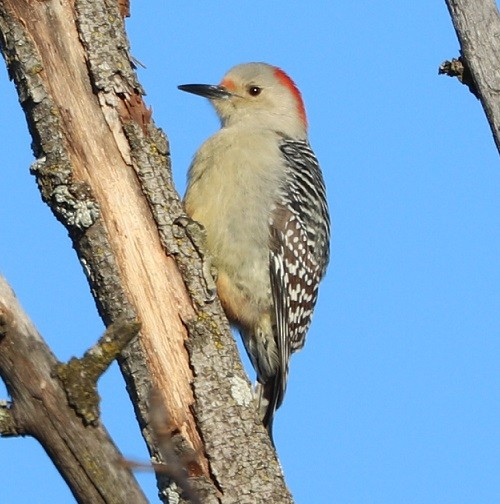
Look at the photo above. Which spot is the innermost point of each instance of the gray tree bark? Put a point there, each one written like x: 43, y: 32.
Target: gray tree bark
x: 103, y: 167
x: 478, y: 29
x: 85, y: 455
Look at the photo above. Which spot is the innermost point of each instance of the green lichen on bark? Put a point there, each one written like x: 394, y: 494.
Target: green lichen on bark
x: 79, y: 376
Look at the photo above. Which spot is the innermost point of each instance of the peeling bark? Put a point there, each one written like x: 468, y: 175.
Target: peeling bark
x: 103, y: 167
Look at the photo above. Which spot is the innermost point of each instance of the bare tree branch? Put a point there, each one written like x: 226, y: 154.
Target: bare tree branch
x: 478, y: 29
x: 79, y: 376
x: 85, y: 456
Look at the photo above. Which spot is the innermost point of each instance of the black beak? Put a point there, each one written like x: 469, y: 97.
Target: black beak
x: 206, y: 90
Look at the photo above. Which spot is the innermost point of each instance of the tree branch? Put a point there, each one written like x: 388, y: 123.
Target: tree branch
x: 478, y: 29
x: 79, y: 376
x: 85, y: 456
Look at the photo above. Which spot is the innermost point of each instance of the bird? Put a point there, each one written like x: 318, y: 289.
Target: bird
x: 257, y: 188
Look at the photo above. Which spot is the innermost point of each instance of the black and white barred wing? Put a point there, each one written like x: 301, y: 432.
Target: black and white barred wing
x: 300, y: 234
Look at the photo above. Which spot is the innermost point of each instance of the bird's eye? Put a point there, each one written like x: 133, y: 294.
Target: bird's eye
x: 254, y: 90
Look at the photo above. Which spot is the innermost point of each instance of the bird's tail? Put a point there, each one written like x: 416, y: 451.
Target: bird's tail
x: 270, y: 398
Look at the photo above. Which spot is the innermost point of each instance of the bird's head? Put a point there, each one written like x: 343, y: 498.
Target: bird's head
x: 256, y: 95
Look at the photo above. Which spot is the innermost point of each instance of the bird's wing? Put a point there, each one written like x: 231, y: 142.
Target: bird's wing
x: 299, y: 250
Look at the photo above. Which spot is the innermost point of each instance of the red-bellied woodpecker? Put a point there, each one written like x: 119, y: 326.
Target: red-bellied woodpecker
x: 257, y: 188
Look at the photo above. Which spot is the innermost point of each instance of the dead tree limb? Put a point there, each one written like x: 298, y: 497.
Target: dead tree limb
x: 85, y: 456
x: 478, y: 29
x: 103, y: 167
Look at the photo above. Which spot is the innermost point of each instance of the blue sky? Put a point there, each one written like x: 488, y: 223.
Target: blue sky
x: 396, y: 395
